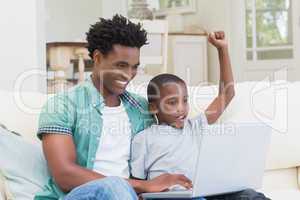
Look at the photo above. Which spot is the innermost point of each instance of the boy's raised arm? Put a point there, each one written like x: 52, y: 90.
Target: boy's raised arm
x: 226, y: 84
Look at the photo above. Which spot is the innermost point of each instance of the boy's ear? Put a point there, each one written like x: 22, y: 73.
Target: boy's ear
x: 153, y: 108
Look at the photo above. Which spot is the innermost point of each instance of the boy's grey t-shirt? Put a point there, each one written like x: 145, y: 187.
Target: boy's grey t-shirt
x: 163, y: 149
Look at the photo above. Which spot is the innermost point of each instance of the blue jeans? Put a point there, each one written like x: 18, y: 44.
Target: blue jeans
x: 114, y: 188
x: 199, y: 198
x: 243, y: 195
x: 110, y: 188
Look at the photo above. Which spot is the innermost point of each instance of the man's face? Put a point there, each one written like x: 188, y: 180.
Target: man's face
x: 172, y: 104
x: 116, y: 69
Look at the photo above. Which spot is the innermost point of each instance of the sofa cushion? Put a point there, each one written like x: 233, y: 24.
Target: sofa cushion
x: 23, y: 165
x: 280, y: 179
x: 288, y: 194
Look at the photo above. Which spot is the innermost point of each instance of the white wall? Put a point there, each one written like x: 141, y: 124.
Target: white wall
x: 69, y: 20
x: 213, y: 15
x: 112, y: 7
x: 223, y: 15
x: 210, y: 14
x: 22, y: 42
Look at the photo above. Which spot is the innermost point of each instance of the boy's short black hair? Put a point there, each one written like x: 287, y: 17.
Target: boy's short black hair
x: 119, y: 30
x: 157, y: 82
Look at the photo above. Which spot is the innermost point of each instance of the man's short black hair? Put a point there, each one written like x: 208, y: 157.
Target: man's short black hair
x: 156, y: 83
x: 119, y: 30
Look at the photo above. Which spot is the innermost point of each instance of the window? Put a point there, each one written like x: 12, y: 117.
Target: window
x: 269, y: 29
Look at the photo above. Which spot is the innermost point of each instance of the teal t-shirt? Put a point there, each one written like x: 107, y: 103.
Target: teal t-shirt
x: 77, y: 113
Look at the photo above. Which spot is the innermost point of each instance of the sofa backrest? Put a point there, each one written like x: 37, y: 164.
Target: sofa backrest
x: 277, y: 104
x: 274, y: 103
x: 20, y: 111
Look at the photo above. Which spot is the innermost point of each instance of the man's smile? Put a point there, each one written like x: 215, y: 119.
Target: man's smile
x: 122, y: 83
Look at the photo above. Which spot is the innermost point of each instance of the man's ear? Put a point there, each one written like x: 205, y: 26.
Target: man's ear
x: 97, y: 56
x: 153, y: 108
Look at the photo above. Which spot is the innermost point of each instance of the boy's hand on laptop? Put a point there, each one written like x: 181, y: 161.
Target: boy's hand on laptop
x: 165, y: 181
x: 217, y: 39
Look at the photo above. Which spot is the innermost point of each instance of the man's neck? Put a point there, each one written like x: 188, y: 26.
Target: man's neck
x: 111, y: 100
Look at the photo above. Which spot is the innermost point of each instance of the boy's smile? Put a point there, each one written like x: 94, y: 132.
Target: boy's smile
x: 171, y: 106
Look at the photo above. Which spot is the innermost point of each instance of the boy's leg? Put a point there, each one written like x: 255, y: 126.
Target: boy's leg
x: 199, y: 198
x: 110, y: 188
x: 243, y: 195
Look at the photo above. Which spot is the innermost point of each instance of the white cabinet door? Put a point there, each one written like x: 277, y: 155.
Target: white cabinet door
x: 188, y: 58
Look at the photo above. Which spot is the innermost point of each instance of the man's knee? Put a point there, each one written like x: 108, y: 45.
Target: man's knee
x: 110, y: 188
x: 116, y: 188
x: 117, y: 183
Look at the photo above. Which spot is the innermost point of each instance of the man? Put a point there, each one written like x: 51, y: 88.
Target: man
x: 86, y: 132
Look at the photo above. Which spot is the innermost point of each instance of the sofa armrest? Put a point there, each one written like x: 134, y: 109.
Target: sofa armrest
x: 298, y: 178
x: 2, y: 196
x: 2, y: 187
x: 4, y: 192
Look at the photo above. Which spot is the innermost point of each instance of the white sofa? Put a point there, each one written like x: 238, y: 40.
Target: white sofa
x: 278, y: 104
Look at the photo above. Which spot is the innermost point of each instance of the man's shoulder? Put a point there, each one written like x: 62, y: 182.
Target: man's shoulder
x: 74, y: 94
x: 140, y: 99
x: 138, y: 102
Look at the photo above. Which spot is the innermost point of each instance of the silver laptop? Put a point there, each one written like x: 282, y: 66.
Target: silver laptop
x: 231, y: 159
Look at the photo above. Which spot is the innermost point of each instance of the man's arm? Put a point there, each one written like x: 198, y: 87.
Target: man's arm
x: 60, y: 154
x: 226, y: 84
x: 61, y: 157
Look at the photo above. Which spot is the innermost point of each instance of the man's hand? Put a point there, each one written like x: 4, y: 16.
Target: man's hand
x: 163, y: 182
x: 218, y: 39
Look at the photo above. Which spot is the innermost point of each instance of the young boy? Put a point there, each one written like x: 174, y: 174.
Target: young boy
x: 170, y: 145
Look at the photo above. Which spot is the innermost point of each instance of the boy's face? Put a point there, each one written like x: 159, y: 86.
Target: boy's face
x: 171, y: 106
